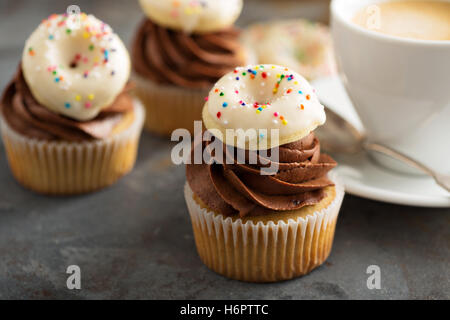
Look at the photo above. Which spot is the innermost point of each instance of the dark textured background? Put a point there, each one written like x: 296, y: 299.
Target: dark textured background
x: 134, y: 240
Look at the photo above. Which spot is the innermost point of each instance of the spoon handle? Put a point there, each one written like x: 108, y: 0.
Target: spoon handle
x: 441, y: 179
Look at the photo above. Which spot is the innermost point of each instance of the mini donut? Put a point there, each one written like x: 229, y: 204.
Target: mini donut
x: 197, y: 16
x: 299, y: 44
x: 263, y: 97
x: 75, y: 65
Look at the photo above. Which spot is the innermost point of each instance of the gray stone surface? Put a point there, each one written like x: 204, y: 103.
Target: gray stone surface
x: 134, y: 240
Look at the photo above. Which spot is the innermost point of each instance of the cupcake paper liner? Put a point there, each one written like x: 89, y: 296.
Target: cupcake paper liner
x: 169, y: 107
x: 65, y: 168
x: 258, y: 252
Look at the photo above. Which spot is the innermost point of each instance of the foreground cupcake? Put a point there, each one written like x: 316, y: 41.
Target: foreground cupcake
x: 299, y: 44
x: 249, y: 225
x: 180, y: 50
x: 68, y: 122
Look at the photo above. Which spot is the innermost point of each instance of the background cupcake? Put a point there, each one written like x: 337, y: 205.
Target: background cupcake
x: 264, y: 228
x: 69, y: 124
x: 299, y: 44
x: 180, y: 50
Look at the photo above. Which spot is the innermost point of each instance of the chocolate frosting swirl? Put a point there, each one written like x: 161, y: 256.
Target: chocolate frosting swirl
x: 232, y: 189
x: 168, y: 56
x: 26, y: 116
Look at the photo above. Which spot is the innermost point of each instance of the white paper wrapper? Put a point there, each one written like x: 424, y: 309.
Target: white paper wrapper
x: 258, y: 252
x: 169, y: 107
x: 64, y: 168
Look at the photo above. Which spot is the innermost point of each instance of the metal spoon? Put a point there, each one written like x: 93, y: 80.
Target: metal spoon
x: 340, y: 136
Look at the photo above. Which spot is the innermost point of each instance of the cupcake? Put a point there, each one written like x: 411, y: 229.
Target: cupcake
x: 299, y: 44
x: 68, y: 121
x: 271, y: 214
x: 180, y: 50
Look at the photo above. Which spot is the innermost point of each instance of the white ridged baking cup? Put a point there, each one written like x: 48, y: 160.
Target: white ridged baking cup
x: 259, y: 252
x: 169, y: 107
x: 59, y: 168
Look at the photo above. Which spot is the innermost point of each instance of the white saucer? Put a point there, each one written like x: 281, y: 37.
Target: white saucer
x: 362, y: 176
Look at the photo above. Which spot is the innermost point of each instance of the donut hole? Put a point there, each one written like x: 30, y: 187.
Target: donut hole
x: 79, y: 54
x: 73, y: 64
x: 255, y: 93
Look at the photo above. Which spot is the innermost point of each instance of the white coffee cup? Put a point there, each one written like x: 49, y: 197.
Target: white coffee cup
x: 400, y: 87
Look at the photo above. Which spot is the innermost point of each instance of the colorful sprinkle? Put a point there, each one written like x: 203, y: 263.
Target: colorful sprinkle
x: 224, y: 104
x: 277, y: 85
x: 219, y: 114
x: 67, y: 105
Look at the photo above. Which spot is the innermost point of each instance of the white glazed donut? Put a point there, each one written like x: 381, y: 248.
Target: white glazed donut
x: 197, y: 16
x: 75, y: 65
x: 299, y: 44
x: 263, y: 97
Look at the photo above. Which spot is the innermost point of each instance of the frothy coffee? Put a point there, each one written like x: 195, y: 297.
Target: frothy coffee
x: 425, y: 20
